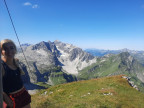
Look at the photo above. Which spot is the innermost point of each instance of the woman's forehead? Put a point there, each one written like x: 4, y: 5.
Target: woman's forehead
x: 8, y: 44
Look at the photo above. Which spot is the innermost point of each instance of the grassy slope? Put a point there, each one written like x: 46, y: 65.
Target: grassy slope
x: 111, y: 67
x: 61, y: 77
x: 100, y: 69
x: 58, y: 78
x: 90, y: 94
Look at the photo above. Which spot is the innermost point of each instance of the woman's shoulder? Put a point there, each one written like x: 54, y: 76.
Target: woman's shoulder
x: 2, y: 68
x: 17, y: 62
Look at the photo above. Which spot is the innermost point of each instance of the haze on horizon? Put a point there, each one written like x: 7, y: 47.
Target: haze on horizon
x: 100, y: 24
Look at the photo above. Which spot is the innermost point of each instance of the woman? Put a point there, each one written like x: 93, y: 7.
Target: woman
x: 14, y: 93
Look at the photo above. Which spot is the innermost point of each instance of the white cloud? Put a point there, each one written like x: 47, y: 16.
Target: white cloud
x: 27, y: 4
x: 35, y: 6
x: 31, y: 5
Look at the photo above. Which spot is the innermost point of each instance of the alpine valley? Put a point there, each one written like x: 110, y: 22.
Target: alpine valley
x: 53, y: 63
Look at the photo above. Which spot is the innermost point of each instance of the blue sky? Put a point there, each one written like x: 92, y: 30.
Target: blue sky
x: 102, y: 24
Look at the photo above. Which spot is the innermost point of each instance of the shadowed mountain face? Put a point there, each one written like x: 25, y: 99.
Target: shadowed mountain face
x: 46, y: 58
x: 57, y: 62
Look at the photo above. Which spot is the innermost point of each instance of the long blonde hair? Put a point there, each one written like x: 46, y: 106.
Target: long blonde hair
x: 5, y: 41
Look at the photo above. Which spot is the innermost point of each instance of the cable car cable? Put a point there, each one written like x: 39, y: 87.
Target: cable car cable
x: 16, y: 33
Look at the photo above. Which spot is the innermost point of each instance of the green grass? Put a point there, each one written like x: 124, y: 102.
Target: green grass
x: 100, y: 69
x: 43, y: 84
x: 57, y: 78
x: 90, y: 94
x: 61, y: 77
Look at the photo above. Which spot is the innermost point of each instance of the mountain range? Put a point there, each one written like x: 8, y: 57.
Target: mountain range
x: 57, y: 62
x: 53, y: 62
x: 139, y: 55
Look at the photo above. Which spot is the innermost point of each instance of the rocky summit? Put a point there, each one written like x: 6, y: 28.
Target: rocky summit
x: 46, y: 58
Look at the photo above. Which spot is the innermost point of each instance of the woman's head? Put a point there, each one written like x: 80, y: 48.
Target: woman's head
x: 8, y: 48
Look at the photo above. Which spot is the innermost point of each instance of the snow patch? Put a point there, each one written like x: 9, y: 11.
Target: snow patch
x: 74, y: 66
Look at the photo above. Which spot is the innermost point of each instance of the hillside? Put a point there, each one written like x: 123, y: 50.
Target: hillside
x: 107, y: 92
x: 108, y: 65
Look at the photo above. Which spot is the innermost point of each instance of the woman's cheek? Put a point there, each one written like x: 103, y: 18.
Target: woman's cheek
x: 3, y: 52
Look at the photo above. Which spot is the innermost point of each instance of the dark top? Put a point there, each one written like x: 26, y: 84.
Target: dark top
x: 12, y: 79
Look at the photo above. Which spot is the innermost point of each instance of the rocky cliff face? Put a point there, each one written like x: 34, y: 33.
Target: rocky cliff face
x: 45, y: 58
x: 73, y: 58
x: 131, y: 65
